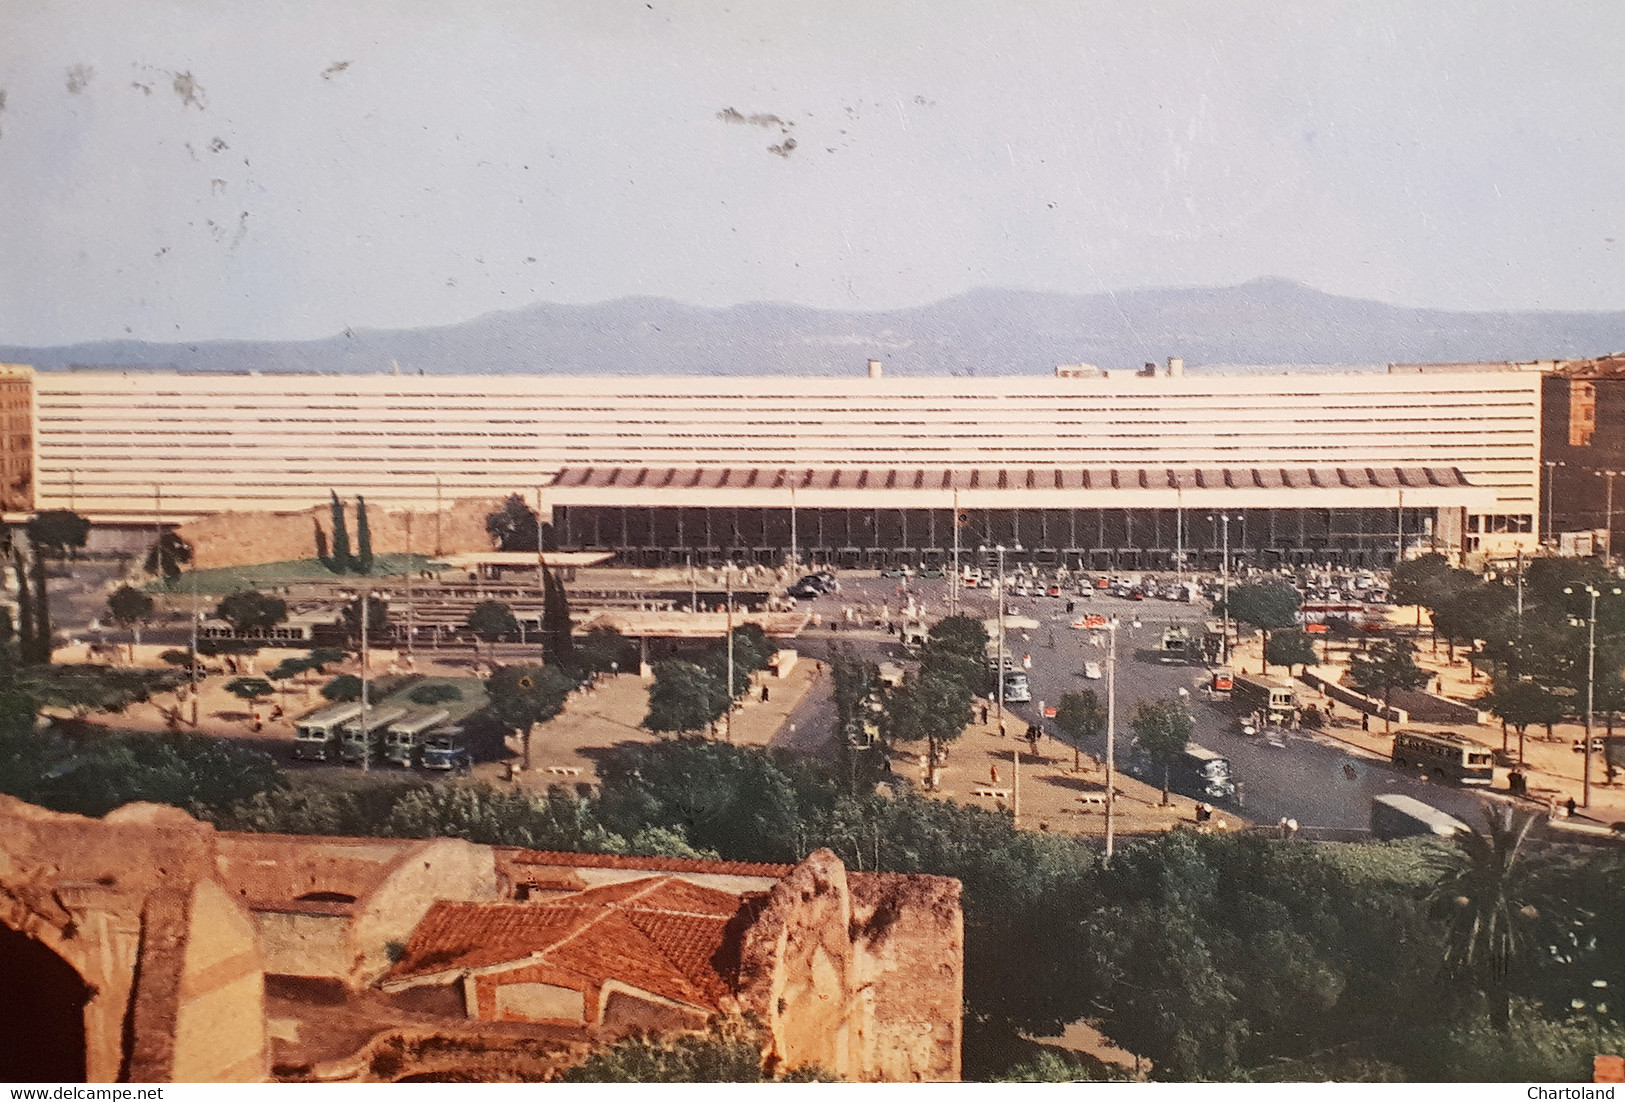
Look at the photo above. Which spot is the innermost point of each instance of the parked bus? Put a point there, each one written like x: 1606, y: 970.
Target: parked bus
x: 1176, y: 645
x: 1445, y: 756
x: 1397, y: 816
x: 316, y: 736
x: 403, y: 739
x: 447, y: 748
x: 1268, y: 696
x: 1209, y: 771
x: 355, y: 742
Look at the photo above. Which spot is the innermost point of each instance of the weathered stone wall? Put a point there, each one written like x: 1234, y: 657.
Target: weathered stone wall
x: 220, y: 1031
x: 237, y: 539
x: 867, y: 983
x: 446, y: 868
x: 909, y: 939
x: 305, y: 944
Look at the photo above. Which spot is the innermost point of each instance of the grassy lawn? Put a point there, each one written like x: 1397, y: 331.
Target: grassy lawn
x: 473, y: 690
x: 224, y: 580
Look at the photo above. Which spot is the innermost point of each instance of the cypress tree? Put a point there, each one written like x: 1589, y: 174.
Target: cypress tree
x: 343, y: 561
x: 363, y: 538
x: 556, y: 642
x: 42, y: 613
x: 25, y: 609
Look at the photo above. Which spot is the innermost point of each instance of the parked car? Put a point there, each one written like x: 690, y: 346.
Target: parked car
x: 805, y: 590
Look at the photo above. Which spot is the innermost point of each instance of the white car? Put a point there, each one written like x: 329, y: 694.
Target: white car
x: 1091, y: 670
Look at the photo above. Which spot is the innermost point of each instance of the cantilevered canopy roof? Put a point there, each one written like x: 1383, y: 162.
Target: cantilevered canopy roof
x: 1029, y: 487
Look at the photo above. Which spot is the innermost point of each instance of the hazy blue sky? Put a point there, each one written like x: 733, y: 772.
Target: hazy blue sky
x: 173, y: 169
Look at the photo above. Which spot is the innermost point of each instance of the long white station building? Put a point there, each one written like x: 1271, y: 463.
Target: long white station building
x: 1118, y: 469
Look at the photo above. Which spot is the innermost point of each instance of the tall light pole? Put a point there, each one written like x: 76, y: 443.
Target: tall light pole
x: 795, y: 553
x: 728, y: 581
x: 1591, y: 674
x: 1111, y: 735
x: 1224, y: 640
x: 194, y: 643
x: 999, y: 662
x: 955, y: 583
x: 1608, y: 522
x: 1179, y: 537
x: 1551, y: 467
x: 366, y: 736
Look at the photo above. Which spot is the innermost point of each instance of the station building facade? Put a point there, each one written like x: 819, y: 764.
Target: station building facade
x: 1089, y: 468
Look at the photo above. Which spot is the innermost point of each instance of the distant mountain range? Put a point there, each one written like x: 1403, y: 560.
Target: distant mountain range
x: 1267, y: 323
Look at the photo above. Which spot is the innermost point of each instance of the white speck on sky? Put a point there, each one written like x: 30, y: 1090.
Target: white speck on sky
x: 193, y: 169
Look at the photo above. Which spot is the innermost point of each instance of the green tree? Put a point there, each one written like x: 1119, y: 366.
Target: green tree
x: 524, y: 695
x: 43, y: 642
x: 343, y: 560
x: 730, y: 1052
x: 753, y: 650
x: 685, y: 697
x: 1162, y: 729
x: 252, y: 613
x: 168, y: 555
x: 363, y: 538
x: 1517, y: 703
x: 513, y: 526
x: 250, y: 689
x: 1420, y: 581
x: 58, y: 531
x: 1289, y: 648
x: 130, y: 608
x: 557, y: 644
x: 1391, y: 664
x: 604, y: 649
x: 1271, y: 606
x: 491, y: 621
x: 344, y: 687
x: 1486, y: 900
x: 927, y: 707
x: 377, y: 619
x: 1079, y: 718
x: 27, y: 641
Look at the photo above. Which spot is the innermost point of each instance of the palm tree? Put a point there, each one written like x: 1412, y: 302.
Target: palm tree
x: 1484, y: 897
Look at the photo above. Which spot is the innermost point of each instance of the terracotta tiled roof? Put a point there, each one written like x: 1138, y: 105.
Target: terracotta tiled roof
x: 1007, y: 478
x: 518, y: 856
x: 660, y: 934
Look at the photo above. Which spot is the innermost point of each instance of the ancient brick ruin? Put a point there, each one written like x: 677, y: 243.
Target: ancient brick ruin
x: 149, y: 947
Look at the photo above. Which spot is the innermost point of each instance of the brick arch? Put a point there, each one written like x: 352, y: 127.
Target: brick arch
x: 42, y: 1016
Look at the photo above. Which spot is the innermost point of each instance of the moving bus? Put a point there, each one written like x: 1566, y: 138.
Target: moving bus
x: 1269, y: 696
x: 355, y: 742
x: 316, y: 736
x: 403, y: 739
x: 1397, y: 816
x: 446, y: 748
x: 1209, y: 771
x: 1445, y: 756
x: 1176, y: 645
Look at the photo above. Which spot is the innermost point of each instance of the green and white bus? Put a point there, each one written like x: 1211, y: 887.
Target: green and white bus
x: 316, y: 735
x: 356, y: 743
x: 403, y: 739
x: 1445, y: 756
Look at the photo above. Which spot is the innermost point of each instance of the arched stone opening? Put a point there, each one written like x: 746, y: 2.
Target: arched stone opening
x: 42, y: 1016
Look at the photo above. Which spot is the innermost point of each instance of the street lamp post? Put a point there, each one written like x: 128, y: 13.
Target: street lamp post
x: 1608, y: 518
x: 366, y: 736
x: 1591, y: 674
x: 999, y: 661
x: 1111, y: 735
x: 728, y: 581
x: 1224, y: 640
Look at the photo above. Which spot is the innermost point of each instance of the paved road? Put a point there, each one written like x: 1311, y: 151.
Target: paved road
x: 1311, y: 778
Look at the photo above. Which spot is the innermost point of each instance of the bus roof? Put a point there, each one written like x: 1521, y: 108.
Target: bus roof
x: 1438, y: 821
x: 1451, y: 737
x: 415, y: 723
x: 376, y: 718
x: 1202, y: 752
x: 337, y: 712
